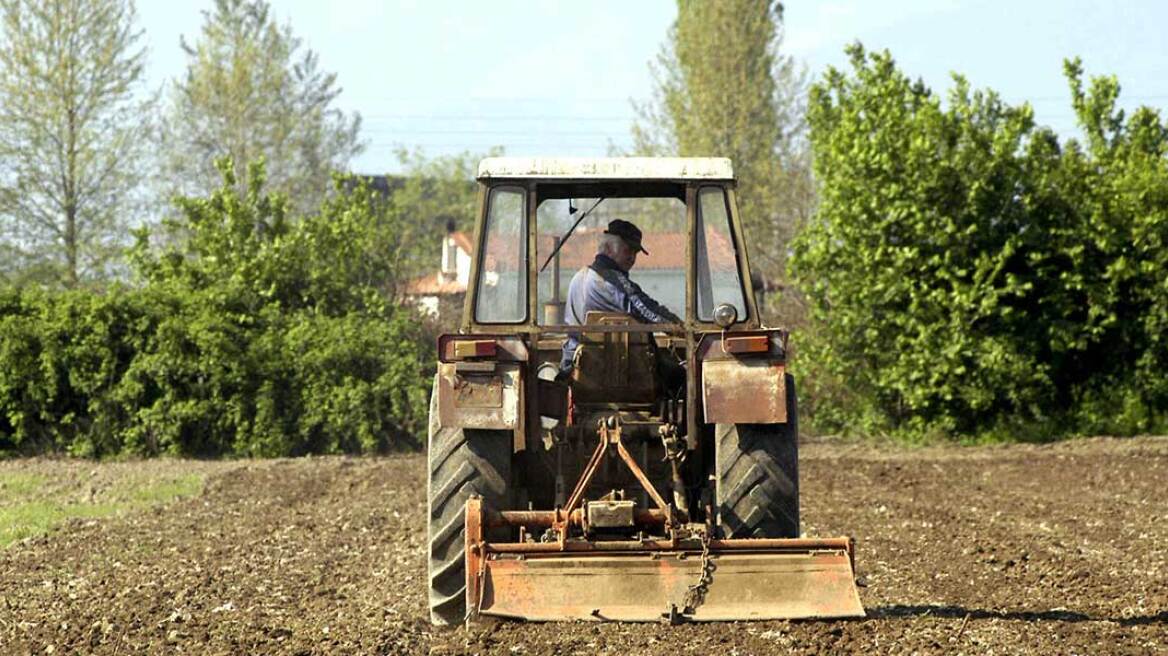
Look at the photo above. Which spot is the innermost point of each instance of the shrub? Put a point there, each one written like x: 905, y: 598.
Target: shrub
x: 249, y: 334
x: 970, y: 275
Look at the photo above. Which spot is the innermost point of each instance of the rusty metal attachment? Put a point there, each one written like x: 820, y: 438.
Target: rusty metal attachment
x: 609, y: 431
x: 666, y: 569
x: 675, y: 452
x: 648, y: 580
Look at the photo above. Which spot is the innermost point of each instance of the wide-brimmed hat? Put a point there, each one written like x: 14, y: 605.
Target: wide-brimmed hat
x: 628, y: 232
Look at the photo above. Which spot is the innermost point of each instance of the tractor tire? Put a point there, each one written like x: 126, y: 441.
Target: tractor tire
x: 462, y: 462
x: 757, y: 476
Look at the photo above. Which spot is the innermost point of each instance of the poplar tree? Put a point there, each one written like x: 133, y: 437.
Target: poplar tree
x: 252, y: 91
x: 724, y: 88
x: 71, y: 136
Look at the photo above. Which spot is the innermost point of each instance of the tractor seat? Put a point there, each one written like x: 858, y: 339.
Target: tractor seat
x: 614, y: 367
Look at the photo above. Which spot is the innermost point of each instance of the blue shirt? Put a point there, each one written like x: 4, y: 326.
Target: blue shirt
x: 604, y: 287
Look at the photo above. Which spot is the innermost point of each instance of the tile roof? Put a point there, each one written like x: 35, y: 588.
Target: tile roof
x: 435, y: 284
x: 666, y: 251
x: 463, y: 241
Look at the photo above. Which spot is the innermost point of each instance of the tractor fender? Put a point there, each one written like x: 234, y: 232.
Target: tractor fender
x: 486, y: 395
x: 744, y: 387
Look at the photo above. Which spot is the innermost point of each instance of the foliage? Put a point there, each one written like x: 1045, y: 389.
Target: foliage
x: 970, y: 275
x: 252, y: 335
x: 60, y: 355
x: 724, y: 89
x: 250, y: 92
x: 433, y: 192
x: 70, y: 136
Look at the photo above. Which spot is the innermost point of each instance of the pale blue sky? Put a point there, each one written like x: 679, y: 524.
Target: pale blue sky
x: 557, y: 77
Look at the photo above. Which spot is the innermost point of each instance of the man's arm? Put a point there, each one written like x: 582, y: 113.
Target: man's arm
x: 636, y: 302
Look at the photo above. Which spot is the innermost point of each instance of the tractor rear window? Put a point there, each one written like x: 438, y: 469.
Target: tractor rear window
x: 718, y: 281
x: 661, y: 273
x: 502, y: 280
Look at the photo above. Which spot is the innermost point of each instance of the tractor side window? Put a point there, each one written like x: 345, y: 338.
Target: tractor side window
x: 717, y: 262
x: 502, y: 277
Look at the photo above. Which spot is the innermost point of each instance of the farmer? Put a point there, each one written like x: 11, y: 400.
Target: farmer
x: 605, y: 286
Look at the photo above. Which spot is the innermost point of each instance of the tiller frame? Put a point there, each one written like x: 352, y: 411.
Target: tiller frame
x: 686, y: 576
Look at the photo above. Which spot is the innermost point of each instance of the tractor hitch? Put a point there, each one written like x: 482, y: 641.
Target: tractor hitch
x: 671, y: 565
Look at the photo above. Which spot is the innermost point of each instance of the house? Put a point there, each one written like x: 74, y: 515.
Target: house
x: 447, y: 286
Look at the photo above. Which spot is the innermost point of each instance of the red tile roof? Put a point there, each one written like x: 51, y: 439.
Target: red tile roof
x: 463, y: 241
x: 435, y: 284
x: 666, y: 251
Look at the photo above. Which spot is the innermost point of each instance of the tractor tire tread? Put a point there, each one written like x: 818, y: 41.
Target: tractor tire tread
x: 757, y: 476
x: 462, y: 462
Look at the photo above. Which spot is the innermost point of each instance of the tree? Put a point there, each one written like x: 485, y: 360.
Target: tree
x: 71, y: 146
x: 250, y: 335
x: 724, y: 89
x: 970, y: 275
x: 433, y: 192
x: 1118, y: 184
x: 279, y: 338
x: 910, y: 261
x: 250, y: 92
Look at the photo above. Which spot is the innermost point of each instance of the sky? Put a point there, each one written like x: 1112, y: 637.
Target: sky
x: 560, y: 78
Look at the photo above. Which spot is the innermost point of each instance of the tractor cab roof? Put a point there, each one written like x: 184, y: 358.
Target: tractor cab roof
x: 607, y: 168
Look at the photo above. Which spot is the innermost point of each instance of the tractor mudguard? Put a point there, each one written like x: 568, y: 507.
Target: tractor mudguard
x: 480, y: 395
x: 743, y: 378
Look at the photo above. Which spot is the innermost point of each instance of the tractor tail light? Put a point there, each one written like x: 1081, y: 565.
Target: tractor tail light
x: 475, y: 348
x: 747, y: 344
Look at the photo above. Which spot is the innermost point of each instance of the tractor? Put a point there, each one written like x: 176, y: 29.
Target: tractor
x: 601, y: 490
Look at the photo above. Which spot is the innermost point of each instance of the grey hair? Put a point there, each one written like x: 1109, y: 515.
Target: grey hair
x: 610, y: 244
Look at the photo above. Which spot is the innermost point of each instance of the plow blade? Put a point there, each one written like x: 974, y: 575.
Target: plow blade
x: 651, y: 579
x: 644, y: 586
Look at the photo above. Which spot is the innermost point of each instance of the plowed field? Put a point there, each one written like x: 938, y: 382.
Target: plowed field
x: 1022, y: 549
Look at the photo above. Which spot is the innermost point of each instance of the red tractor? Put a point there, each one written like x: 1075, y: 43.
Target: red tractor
x: 599, y: 491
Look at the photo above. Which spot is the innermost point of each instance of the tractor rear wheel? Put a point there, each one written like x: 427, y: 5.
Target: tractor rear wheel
x: 757, y: 476
x: 462, y: 462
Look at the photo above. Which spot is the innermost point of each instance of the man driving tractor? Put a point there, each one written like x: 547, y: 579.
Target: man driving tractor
x: 605, y: 286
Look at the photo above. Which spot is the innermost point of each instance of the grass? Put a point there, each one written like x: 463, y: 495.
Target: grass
x: 168, y: 490
x: 33, y: 504
x: 38, y: 517
x: 19, y: 484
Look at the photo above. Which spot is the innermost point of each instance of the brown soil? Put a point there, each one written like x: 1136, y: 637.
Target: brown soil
x: 1021, y: 549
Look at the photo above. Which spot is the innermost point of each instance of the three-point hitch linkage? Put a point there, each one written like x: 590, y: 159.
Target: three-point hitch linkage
x: 665, y: 568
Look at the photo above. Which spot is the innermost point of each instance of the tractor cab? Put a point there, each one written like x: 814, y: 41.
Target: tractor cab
x: 609, y: 468
x: 542, y: 224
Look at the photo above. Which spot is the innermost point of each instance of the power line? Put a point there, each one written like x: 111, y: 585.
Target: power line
x: 1122, y: 96
x: 487, y: 144
x: 501, y: 133
x: 492, y: 117
x: 386, y: 145
x: 508, y: 99
x: 391, y: 134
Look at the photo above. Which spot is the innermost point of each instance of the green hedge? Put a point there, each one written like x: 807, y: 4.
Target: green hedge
x: 970, y: 275
x: 246, y: 334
